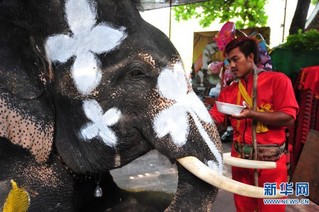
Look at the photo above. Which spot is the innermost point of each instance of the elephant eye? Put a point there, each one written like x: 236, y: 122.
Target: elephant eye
x: 136, y: 70
x: 137, y: 73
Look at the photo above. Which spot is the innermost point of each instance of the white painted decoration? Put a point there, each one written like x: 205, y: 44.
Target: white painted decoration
x: 172, y: 84
x: 88, y: 39
x: 100, y: 123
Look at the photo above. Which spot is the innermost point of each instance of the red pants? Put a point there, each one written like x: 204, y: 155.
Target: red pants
x: 248, y: 204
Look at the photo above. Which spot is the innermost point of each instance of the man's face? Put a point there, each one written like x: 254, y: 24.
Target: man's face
x: 240, y: 65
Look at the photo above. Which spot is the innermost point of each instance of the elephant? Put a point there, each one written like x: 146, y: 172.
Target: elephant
x: 88, y: 86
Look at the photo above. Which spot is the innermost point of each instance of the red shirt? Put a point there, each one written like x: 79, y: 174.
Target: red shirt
x: 273, y: 89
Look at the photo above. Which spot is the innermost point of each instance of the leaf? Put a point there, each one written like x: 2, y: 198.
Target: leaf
x: 225, y: 10
x: 308, y: 40
x: 18, y: 199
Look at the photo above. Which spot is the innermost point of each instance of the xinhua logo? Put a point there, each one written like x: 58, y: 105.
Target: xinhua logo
x: 285, y: 189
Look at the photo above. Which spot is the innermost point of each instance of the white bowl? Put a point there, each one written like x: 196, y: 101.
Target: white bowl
x: 229, y: 109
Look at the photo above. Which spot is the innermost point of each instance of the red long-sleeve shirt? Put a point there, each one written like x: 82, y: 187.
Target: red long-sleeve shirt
x: 274, y: 90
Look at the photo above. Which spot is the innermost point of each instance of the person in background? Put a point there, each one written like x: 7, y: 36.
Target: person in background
x: 213, y: 75
x: 276, y: 110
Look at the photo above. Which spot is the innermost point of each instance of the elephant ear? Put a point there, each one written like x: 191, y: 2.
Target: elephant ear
x: 26, y: 115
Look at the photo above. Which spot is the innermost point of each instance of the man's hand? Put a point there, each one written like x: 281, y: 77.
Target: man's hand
x: 245, y: 113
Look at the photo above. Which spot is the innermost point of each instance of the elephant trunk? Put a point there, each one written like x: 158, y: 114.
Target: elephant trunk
x: 190, y: 190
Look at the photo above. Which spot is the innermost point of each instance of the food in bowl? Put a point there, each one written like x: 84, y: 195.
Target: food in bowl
x: 229, y: 109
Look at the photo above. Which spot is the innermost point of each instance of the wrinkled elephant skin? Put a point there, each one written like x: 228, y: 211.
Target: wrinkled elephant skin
x: 88, y: 86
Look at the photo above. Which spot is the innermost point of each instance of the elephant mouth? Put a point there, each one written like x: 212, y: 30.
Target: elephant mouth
x: 200, y: 170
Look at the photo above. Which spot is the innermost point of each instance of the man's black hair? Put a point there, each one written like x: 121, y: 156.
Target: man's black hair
x: 246, y: 45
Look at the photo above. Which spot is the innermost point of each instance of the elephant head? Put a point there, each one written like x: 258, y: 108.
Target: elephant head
x: 95, y: 82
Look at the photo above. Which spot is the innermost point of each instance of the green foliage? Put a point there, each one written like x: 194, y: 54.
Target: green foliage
x: 308, y: 40
x: 245, y: 13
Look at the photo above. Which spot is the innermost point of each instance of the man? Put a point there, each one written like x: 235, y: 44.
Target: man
x: 276, y: 110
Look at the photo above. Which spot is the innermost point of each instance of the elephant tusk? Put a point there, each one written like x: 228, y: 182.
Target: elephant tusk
x: 250, y: 164
x: 199, y: 169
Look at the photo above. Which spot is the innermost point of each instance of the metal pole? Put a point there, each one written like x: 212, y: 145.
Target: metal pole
x: 284, y: 24
x: 254, y: 124
x: 170, y: 20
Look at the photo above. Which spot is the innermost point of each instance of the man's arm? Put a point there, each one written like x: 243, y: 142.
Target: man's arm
x: 268, y: 118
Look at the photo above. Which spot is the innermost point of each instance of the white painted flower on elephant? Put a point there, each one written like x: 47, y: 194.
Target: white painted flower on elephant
x: 87, y: 40
x: 172, y: 84
x: 101, y: 123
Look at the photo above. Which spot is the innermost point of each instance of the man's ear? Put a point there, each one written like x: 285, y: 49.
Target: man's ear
x: 251, y: 57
